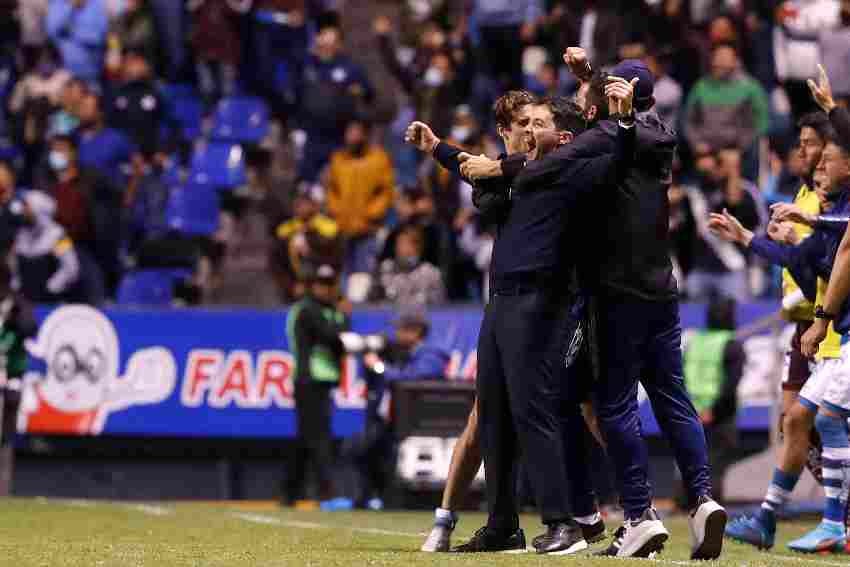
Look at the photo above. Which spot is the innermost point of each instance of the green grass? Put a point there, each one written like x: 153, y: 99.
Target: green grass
x: 73, y: 533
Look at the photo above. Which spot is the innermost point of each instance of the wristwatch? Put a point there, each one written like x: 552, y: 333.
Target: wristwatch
x: 821, y: 314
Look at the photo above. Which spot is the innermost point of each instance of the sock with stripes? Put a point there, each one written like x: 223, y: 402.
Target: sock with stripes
x: 778, y: 492
x: 836, y: 467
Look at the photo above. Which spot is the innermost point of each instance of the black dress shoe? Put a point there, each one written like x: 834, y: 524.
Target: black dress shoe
x: 560, y: 539
x: 485, y: 540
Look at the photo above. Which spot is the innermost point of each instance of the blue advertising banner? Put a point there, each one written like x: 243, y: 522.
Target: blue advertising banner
x: 211, y: 373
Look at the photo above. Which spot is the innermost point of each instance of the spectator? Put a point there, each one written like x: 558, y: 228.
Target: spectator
x: 406, y: 279
x: 46, y: 81
x: 145, y: 202
x: 307, y: 239
x: 726, y: 108
x: 667, y: 92
x: 32, y: 15
x: 719, y: 267
x: 361, y: 185
x: 88, y: 207
x: 10, y: 218
x: 67, y: 118
x: 102, y: 148
x: 48, y: 266
x: 331, y: 91
x: 135, y: 30
x: 713, y: 364
x: 416, y: 206
x: 136, y: 107
x: 595, y: 26
x: 279, y: 34
x: 79, y: 28
x: 215, y: 39
x: 504, y: 27
x: 683, y: 231
x: 411, y: 357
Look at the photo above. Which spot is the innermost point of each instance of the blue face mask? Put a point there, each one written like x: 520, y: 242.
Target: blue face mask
x: 57, y: 160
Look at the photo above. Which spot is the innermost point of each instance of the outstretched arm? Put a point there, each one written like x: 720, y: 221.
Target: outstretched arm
x: 836, y: 295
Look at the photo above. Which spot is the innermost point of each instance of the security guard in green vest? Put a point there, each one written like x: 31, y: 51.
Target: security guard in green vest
x: 714, y: 362
x: 313, y: 330
x: 17, y: 323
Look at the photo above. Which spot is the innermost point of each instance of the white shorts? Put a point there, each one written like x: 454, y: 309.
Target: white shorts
x: 829, y: 384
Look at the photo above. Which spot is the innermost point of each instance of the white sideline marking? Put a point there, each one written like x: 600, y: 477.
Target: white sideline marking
x: 150, y: 509
x: 270, y: 520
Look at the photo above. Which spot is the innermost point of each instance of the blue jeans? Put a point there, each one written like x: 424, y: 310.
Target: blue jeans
x: 633, y: 340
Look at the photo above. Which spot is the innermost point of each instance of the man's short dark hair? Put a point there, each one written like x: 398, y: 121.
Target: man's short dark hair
x: 65, y: 139
x: 819, y: 122
x: 566, y: 114
x: 507, y: 105
x: 596, y: 95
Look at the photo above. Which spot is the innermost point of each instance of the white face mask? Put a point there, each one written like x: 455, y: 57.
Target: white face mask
x: 433, y: 77
x: 461, y: 133
x: 57, y: 160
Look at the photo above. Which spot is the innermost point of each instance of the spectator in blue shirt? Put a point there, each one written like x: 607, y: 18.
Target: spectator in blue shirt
x: 504, y: 27
x: 104, y: 149
x: 79, y: 28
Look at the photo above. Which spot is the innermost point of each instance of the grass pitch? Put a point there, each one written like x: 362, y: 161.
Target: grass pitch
x: 81, y: 533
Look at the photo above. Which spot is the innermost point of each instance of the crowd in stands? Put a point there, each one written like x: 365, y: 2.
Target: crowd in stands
x: 216, y: 151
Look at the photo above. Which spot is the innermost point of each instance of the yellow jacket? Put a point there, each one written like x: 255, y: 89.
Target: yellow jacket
x: 360, y: 190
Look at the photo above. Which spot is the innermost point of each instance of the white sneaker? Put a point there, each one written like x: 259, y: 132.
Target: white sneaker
x: 439, y: 540
x: 643, y: 537
x: 707, y: 524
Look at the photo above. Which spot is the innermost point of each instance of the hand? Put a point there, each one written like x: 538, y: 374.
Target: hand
x: 785, y: 212
x: 621, y: 92
x: 382, y: 26
x: 463, y: 157
x: 420, y: 135
x: 822, y: 91
x: 480, y: 167
x: 576, y: 60
x: 370, y: 359
x: 345, y: 307
x: 729, y: 228
x: 782, y: 232
x: 527, y: 32
x: 812, y: 338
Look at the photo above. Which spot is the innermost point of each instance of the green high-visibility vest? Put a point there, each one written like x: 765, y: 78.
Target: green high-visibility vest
x: 704, y: 372
x: 324, y: 366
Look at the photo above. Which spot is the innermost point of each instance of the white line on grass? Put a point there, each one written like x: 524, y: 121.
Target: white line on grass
x: 796, y: 559
x: 270, y: 520
x: 151, y: 509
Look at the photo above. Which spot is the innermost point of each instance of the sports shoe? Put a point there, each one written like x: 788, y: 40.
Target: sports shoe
x: 440, y: 538
x: 560, y: 539
x: 485, y: 540
x: 825, y: 537
x: 706, y: 523
x: 593, y: 533
x: 758, y: 530
x: 643, y: 536
x: 613, y: 549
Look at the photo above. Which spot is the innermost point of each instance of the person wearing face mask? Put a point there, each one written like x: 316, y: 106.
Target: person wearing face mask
x: 406, y: 279
x: 67, y: 118
x: 360, y: 189
x: 433, y: 85
x: 728, y: 108
x: 48, y: 266
x: 47, y: 81
x: 331, y: 90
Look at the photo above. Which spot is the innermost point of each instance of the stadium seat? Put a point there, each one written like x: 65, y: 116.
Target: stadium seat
x: 193, y: 209
x: 150, y: 287
x: 220, y: 165
x: 170, y: 175
x: 186, y: 109
x: 241, y: 120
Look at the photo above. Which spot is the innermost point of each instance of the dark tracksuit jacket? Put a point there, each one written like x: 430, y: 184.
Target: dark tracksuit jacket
x: 526, y: 334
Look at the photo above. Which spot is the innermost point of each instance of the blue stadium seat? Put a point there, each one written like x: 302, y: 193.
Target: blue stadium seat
x: 150, y: 287
x: 218, y: 164
x: 240, y: 119
x: 185, y: 108
x: 193, y: 209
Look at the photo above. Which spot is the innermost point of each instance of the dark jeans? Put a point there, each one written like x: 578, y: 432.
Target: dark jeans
x: 374, y: 454
x: 641, y: 340
x: 521, y: 351
x: 314, y: 445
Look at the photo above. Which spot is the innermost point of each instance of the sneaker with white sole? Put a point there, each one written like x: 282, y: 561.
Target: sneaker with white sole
x: 707, y: 524
x: 643, y: 536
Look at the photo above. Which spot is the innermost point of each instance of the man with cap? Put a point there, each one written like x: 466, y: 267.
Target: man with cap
x: 313, y: 328
x: 410, y: 357
x: 635, y: 332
